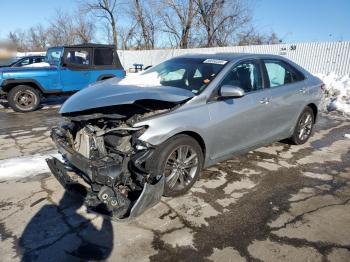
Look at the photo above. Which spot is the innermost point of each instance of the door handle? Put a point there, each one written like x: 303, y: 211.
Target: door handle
x: 302, y: 90
x: 265, y: 101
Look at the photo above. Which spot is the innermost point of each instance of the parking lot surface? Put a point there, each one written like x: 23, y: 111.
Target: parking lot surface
x: 277, y: 203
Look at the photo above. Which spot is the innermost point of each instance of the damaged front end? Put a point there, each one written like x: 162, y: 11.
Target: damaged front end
x: 102, y: 151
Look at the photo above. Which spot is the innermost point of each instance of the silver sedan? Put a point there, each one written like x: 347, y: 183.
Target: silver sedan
x: 150, y: 134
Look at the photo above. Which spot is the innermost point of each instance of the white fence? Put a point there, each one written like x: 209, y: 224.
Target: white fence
x: 315, y: 57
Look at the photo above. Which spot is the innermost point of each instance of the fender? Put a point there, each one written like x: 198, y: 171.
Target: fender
x: 7, y: 84
x: 106, y: 76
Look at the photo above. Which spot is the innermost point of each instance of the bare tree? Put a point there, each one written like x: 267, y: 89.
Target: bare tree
x: 84, y: 29
x: 145, y: 20
x: 61, y: 30
x: 66, y: 29
x: 252, y: 37
x: 37, y: 38
x: 105, y: 9
x: 18, y: 40
x: 274, y: 39
x: 177, y: 17
x: 221, y: 19
x: 126, y: 35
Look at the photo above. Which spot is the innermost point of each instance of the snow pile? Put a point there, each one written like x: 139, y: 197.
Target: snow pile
x: 337, y: 92
x: 25, y: 166
x: 144, y: 80
x: 41, y: 64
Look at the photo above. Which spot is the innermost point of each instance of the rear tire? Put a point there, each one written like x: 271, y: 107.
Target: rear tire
x: 304, y: 127
x: 23, y: 98
x: 180, y: 160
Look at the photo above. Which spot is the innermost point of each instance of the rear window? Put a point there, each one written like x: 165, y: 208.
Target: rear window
x: 103, y: 56
x: 281, y: 73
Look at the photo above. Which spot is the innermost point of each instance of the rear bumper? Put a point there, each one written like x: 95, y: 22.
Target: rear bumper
x: 79, y: 171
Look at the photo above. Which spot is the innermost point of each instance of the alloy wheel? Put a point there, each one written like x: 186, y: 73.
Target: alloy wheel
x: 305, y: 126
x: 180, y: 167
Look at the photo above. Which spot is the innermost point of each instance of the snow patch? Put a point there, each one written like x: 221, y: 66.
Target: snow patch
x: 25, y: 166
x: 337, y: 92
x: 41, y: 64
x: 144, y: 80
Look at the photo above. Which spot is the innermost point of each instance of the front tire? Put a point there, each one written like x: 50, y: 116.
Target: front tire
x: 23, y: 98
x: 180, y: 160
x: 304, y: 127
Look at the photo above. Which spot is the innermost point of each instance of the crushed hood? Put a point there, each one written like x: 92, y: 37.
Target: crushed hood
x: 110, y: 93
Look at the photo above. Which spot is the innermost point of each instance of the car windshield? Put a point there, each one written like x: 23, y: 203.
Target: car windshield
x: 193, y: 74
x: 53, y: 56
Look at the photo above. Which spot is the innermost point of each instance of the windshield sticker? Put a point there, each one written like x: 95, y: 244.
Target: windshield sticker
x: 214, y: 61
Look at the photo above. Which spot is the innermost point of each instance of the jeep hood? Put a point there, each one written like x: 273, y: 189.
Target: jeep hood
x: 110, y: 93
x: 24, y: 69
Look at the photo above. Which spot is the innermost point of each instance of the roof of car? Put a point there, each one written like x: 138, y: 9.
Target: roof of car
x: 228, y: 56
x: 30, y: 56
x: 85, y: 45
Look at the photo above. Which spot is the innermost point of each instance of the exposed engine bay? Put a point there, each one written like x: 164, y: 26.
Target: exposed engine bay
x: 102, y: 149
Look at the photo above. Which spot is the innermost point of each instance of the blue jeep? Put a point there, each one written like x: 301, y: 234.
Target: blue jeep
x: 68, y: 69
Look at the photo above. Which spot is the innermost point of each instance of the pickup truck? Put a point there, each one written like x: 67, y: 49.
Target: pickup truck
x: 66, y: 69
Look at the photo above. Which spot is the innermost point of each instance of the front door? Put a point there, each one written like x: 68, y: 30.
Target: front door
x: 240, y: 123
x: 76, y: 68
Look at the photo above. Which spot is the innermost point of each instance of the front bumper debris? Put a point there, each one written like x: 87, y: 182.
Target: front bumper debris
x: 98, y: 178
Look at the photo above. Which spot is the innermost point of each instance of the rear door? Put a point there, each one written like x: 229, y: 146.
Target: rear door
x: 106, y: 64
x: 288, y: 95
x: 240, y: 123
x: 76, y: 68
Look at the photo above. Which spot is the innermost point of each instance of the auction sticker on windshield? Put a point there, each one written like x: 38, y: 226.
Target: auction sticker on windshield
x: 214, y: 61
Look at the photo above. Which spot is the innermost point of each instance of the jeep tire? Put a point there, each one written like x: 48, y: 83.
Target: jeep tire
x: 23, y: 98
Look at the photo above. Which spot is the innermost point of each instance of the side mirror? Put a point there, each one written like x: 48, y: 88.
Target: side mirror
x: 231, y: 91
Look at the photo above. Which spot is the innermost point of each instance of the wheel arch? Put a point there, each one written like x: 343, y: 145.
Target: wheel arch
x: 198, y: 138
x: 314, y: 110
x: 9, y: 84
x: 105, y: 76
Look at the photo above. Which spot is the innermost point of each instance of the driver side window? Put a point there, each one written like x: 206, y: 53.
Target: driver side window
x: 78, y: 57
x: 246, y: 75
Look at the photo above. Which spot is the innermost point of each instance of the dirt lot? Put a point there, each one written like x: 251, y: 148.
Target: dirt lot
x: 277, y: 203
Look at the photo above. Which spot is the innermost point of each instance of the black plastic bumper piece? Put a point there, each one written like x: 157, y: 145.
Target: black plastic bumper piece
x: 150, y: 195
x: 101, y: 172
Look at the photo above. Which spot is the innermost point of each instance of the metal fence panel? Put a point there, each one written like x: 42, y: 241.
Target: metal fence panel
x: 315, y: 57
